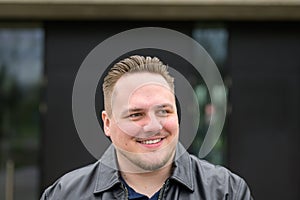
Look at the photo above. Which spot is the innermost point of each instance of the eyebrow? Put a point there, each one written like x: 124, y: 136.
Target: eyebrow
x: 132, y: 110
x: 165, y: 106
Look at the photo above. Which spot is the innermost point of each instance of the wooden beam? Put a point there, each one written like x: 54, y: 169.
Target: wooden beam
x: 150, y: 10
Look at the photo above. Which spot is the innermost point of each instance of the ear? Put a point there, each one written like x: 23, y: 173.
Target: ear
x: 106, y: 123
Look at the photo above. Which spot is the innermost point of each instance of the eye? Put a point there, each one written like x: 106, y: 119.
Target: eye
x: 135, y: 116
x: 163, y: 112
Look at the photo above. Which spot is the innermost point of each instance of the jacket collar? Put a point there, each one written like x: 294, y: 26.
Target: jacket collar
x: 108, y: 175
x: 183, y: 172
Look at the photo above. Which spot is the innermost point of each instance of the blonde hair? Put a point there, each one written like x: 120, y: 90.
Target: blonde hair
x: 133, y: 64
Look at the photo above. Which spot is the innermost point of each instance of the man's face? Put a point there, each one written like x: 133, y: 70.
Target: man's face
x: 144, y: 123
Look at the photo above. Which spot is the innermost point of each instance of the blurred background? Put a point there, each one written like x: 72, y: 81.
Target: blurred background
x: 255, y: 44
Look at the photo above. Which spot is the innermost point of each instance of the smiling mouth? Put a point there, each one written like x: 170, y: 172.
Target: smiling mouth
x: 151, y: 141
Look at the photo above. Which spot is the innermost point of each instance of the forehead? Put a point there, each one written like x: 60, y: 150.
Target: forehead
x: 140, y: 91
x: 132, y: 81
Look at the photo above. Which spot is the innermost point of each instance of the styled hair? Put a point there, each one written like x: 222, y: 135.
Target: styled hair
x: 133, y: 64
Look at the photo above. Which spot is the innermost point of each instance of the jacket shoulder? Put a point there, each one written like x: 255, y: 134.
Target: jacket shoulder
x: 78, y: 181
x: 216, y: 179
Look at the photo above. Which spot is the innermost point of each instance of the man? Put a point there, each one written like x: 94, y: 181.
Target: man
x: 146, y: 161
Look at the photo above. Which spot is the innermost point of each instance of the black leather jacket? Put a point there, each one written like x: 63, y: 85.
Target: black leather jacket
x: 192, y: 179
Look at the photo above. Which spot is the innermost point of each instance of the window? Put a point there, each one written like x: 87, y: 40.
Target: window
x: 21, y: 66
x: 214, y: 39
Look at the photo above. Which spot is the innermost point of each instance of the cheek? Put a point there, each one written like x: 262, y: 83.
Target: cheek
x: 171, y: 125
x: 130, y: 129
x: 120, y: 139
x: 118, y: 135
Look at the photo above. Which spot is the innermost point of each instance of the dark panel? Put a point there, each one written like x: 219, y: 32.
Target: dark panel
x: 265, y: 96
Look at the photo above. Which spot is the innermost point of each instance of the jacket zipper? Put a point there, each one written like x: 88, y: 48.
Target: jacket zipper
x: 163, y: 190
x: 125, y: 190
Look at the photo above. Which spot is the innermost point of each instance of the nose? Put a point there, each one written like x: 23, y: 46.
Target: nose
x: 153, y: 125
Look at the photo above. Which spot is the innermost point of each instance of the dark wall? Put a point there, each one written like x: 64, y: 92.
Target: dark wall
x: 264, y: 128
x: 66, y: 48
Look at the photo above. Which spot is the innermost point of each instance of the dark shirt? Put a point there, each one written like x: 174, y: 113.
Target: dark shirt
x: 132, y: 194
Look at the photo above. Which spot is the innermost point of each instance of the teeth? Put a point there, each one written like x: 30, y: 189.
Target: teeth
x: 151, y: 141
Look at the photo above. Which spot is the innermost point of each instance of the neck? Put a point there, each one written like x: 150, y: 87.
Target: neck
x: 148, y: 183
